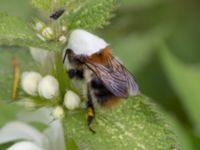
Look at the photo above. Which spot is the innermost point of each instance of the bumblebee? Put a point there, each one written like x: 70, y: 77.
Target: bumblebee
x: 88, y: 57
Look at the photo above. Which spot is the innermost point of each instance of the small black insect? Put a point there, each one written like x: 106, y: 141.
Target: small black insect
x: 55, y: 15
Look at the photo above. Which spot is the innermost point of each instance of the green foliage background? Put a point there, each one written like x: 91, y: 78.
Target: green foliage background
x: 159, y: 41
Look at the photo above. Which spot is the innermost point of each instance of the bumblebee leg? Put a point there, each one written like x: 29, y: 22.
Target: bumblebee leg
x: 90, y: 110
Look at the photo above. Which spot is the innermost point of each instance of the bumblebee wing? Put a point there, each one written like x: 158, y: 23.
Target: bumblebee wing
x: 114, y: 81
x: 133, y: 88
x: 115, y: 77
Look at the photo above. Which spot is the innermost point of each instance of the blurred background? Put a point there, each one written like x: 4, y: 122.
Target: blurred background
x: 159, y: 42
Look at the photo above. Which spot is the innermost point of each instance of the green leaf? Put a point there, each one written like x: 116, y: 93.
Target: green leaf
x: 5, y: 146
x: 9, y: 112
x: 185, y: 139
x: 134, y: 124
x: 48, y: 5
x: 42, y: 4
x: 6, y: 69
x: 140, y: 3
x: 15, y: 31
x: 71, y: 145
x: 14, y: 8
x: 89, y: 14
x: 185, y: 80
x: 59, y: 71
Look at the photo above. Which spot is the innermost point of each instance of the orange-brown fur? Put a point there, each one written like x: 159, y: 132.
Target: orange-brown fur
x: 101, y: 57
x: 112, y: 102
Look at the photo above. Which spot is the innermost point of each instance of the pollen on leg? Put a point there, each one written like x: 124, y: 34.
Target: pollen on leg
x: 90, y: 118
x: 90, y: 112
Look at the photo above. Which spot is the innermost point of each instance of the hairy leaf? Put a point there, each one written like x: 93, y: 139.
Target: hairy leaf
x: 185, y: 79
x: 134, y: 124
x: 48, y: 5
x: 15, y: 31
x: 89, y: 14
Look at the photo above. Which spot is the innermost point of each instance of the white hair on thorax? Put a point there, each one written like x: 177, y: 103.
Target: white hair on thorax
x: 82, y: 42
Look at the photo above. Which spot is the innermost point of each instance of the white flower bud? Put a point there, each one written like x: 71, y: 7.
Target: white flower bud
x: 39, y: 26
x: 58, y: 113
x: 64, y: 29
x: 48, y: 87
x: 62, y: 39
x: 25, y: 145
x: 71, y: 100
x: 48, y: 33
x: 40, y: 55
x: 30, y: 82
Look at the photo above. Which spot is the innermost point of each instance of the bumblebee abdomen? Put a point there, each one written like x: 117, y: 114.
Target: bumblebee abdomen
x: 103, y: 96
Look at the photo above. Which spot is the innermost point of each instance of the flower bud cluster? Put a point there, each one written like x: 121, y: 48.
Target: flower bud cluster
x: 71, y: 102
x: 48, y: 33
x: 34, y: 84
x: 47, y: 87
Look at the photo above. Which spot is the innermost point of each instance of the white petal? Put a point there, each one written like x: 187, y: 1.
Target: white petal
x: 42, y: 56
x: 85, y: 43
x: 42, y: 115
x: 19, y: 131
x: 55, y: 135
x: 27, y: 103
x: 39, y: 55
x: 25, y: 146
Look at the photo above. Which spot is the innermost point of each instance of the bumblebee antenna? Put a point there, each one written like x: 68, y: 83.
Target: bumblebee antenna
x: 55, y: 15
x: 67, y: 51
